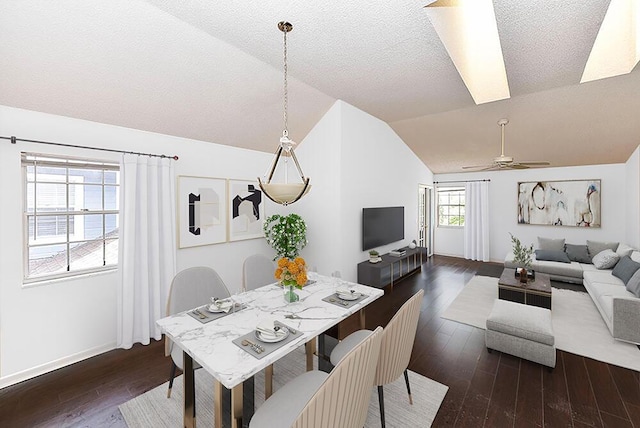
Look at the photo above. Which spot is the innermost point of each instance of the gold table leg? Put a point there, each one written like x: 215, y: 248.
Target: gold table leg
x: 189, y: 417
x: 268, y: 381
x: 236, y: 406
x: 310, y: 347
x: 217, y: 404
x: 362, y: 319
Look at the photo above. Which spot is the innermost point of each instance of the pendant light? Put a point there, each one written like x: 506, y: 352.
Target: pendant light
x: 285, y: 193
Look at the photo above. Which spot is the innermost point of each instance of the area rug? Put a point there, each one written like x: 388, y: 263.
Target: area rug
x: 154, y: 409
x: 577, y: 324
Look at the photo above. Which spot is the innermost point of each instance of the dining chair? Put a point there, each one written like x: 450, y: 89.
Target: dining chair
x: 190, y: 288
x: 317, y: 399
x: 397, y: 342
x: 257, y: 270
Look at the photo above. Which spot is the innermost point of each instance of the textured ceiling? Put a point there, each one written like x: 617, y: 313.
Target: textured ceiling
x: 213, y: 71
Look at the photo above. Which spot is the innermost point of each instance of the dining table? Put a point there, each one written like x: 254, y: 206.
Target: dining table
x: 217, y: 347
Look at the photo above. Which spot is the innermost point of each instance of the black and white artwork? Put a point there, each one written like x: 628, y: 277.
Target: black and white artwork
x: 246, y: 210
x: 560, y: 203
x: 202, y: 213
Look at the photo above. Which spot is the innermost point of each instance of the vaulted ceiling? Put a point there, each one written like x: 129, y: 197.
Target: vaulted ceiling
x: 212, y: 71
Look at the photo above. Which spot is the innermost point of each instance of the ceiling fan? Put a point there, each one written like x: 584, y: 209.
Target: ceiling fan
x: 505, y: 162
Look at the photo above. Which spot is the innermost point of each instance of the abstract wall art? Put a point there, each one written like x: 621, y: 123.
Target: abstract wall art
x: 246, y: 210
x: 202, y: 211
x: 560, y: 203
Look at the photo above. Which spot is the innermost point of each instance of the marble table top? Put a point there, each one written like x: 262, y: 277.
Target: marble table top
x: 210, y: 345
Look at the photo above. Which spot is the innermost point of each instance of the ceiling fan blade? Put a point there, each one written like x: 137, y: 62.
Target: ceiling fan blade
x: 517, y: 166
x: 477, y: 166
x: 533, y: 163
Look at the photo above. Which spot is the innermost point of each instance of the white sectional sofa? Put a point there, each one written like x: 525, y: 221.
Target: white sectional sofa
x: 619, y: 307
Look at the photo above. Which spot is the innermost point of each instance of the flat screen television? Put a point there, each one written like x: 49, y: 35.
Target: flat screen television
x: 381, y: 226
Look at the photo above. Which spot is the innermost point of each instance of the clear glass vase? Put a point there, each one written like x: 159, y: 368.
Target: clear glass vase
x: 290, y: 294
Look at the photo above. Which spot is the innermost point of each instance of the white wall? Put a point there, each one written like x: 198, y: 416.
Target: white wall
x: 365, y: 164
x: 354, y: 161
x: 503, y: 209
x: 47, y: 326
x: 632, y: 179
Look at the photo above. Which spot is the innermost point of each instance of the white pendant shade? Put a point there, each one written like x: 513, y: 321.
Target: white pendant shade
x: 285, y: 193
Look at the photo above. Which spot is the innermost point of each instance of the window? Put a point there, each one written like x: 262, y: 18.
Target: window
x: 451, y: 206
x: 71, y: 216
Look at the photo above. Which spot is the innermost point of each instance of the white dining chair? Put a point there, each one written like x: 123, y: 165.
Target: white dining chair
x: 257, y: 270
x: 397, y: 342
x: 316, y: 399
x: 190, y: 288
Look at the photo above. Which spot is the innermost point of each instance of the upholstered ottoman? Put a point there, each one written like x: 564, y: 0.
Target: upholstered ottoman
x: 521, y: 330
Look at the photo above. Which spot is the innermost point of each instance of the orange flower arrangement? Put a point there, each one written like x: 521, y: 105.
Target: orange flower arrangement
x: 292, y: 272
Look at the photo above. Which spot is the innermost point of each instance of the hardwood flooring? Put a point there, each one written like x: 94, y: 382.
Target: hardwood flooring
x: 485, y: 390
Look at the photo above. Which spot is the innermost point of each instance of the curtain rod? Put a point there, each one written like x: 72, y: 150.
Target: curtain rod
x: 13, y: 140
x: 459, y: 181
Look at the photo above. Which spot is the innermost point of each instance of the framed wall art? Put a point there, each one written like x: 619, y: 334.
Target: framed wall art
x: 560, y: 203
x: 202, y: 211
x: 245, y: 210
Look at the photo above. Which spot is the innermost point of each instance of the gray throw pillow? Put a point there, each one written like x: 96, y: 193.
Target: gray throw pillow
x: 625, y: 268
x: 550, y: 244
x: 596, y: 247
x: 633, y: 285
x: 552, y: 256
x: 605, y: 259
x: 577, y: 253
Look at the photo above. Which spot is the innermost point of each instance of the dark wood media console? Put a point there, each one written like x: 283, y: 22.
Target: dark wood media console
x: 391, y: 268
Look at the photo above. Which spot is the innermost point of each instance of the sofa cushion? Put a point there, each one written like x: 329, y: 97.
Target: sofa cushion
x: 605, y: 259
x: 625, y: 268
x: 571, y: 270
x: 633, y: 285
x: 553, y: 256
x: 601, y: 277
x: 596, y: 247
x: 635, y: 256
x: 577, y: 253
x: 550, y: 244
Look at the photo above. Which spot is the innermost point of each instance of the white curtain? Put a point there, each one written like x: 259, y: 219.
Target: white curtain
x: 146, y: 260
x: 476, y: 221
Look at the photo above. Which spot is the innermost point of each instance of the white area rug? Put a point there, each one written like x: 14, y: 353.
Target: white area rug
x: 154, y: 409
x: 577, y: 324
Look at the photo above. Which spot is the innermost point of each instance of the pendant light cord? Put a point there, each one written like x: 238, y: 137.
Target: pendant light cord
x: 285, y: 132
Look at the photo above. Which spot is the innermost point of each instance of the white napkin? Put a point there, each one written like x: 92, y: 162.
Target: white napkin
x: 347, y: 291
x: 224, y: 305
x: 267, y: 327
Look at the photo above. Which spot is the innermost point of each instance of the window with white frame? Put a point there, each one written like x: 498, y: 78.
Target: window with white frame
x: 451, y: 206
x: 71, y: 215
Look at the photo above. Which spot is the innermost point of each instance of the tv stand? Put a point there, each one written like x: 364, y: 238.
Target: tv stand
x: 391, y: 269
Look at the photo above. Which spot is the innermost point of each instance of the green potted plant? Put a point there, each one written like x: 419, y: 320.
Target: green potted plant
x: 287, y: 234
x: 521, y: 256
x: 374, y: 256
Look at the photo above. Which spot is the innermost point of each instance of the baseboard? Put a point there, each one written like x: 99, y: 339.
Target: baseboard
x: 54, y: 365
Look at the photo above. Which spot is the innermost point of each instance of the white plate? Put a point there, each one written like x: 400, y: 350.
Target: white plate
x: 348, y: 296
x: 217, y: 309
x: 268, y: 338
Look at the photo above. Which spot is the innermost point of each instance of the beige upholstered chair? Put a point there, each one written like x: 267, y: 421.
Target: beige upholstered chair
x: 316, y: 399
x: 191, y: 288
x: 397, y: 342
x: 257, y: 271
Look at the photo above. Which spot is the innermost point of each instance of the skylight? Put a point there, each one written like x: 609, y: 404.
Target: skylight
x: 616, y: 50
x: 469, y: 32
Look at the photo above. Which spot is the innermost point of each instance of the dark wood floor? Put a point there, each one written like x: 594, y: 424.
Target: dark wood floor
x: 490, y: 390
